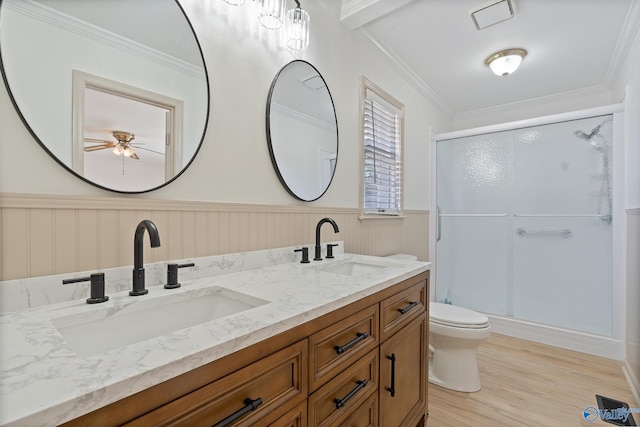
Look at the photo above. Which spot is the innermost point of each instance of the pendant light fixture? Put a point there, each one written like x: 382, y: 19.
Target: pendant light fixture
x: 506, y: 61
x: 271, y: 13
x: 297, y: 28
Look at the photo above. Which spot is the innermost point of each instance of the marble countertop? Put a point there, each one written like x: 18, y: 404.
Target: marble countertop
x: 44, y: 382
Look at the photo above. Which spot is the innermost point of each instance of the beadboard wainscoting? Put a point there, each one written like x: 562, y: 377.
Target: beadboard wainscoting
x: 43, y: 235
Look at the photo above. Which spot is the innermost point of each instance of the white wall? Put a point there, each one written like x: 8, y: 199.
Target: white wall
x: 627, y: 88
x: 233, y: 164
x: 52, y: 104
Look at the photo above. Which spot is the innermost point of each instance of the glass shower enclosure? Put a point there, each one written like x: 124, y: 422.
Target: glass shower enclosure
x: 524, y: 223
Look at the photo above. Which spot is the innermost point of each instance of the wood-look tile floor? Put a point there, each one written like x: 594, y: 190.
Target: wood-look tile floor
x: 529, y: 384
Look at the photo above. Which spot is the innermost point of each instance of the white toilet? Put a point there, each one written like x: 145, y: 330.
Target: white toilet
x: 454, y: 335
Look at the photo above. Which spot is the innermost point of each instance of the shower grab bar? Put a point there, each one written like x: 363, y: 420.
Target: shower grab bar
x: 564, y: 233
x: 559, y: 215
x: 475, y: 215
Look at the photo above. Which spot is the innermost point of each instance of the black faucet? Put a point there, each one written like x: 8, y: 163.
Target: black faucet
x: 138, y: 268
x: 318, y: 256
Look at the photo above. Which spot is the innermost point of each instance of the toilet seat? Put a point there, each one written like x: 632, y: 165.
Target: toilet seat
x: 456, y: 317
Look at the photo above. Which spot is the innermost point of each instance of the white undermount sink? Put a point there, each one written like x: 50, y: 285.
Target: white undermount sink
x: 353, y: 267
x: 103, y: 329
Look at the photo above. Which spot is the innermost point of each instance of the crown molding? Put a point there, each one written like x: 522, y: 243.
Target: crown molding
x: 356, y: 13
x: 532, y: 102
x: 405, y: 71
x: 623, y: 46
x: 84, y: 29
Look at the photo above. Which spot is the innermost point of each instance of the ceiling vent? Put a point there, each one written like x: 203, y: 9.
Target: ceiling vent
x: 491, y: 13
x: 314, y: 82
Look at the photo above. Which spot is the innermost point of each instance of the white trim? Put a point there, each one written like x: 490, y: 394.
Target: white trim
x: 627, y: 35
x: 632, y: 380
x: 594, y: 91
x: 82, y: 80
x: 405, y: 71
x: 610, y: 348
x: 68, y: 23
x: 296, y: 114
x: 537, y: 121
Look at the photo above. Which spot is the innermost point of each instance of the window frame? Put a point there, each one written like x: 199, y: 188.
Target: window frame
x: 394, y: 104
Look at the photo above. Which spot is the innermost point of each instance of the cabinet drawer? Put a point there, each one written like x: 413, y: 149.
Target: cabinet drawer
x: 297, y: 417
x: 279, y: 381
x: 337, y: 399
x: 335, y: 347
x: 401, y: 308
x: 366, y: 415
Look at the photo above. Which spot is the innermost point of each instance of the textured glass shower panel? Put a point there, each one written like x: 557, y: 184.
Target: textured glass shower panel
x: 561, y: 169
x: 473, y: 193
x: 562, y: 266
x: 474, y: 175
x: 475, y: 252
x: 562, y: 272
x: 524, y: 223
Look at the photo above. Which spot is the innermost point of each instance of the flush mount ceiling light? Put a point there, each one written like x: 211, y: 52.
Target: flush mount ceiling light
x: 506, y: 61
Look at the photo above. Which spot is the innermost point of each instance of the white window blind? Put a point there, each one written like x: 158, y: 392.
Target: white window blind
x: 382, y: 155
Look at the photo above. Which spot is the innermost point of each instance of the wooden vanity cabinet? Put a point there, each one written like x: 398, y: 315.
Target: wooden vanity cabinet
x: 335, y: 347
x: 256, y: 395
x: 403, y: 357
x: 403, y: 375
x: 301, y: 377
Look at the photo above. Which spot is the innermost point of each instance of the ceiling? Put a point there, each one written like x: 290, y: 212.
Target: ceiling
x: 573, y: 46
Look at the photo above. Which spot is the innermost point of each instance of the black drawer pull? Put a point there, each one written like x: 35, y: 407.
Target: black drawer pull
x: 407, y: 308
x: 392, y: 389
x: 341, y: 402
x: 342, y: 348
x: 250, y: 405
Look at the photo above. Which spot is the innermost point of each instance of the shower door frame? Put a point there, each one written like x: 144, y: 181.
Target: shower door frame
x: 612, y: 347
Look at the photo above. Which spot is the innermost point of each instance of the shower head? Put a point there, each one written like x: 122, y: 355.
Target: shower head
x: 588, y: 136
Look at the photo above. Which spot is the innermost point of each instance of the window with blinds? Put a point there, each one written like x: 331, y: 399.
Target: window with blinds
x: 382, y: 136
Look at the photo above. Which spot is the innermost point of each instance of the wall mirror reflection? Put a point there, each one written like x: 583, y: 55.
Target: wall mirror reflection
x: 117, y: 92
x: 302, y: 130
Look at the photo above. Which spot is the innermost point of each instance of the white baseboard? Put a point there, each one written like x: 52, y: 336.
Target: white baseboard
x: 632, y: 379
x: 573, y: 340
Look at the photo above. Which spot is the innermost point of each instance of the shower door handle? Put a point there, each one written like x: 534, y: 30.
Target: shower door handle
x: 438, y: 227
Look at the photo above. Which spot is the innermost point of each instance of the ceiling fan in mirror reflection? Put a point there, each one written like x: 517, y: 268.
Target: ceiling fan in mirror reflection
x: 122, y: 147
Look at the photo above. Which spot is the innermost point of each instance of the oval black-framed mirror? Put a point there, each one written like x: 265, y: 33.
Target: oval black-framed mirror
x: 117, y: 91
x: 302, y: 130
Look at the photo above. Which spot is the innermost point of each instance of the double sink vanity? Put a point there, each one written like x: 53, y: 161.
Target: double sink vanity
x: 249, y: 339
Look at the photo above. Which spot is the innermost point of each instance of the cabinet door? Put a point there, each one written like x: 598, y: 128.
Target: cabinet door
x: 403, y: 375
x: 255, y: 395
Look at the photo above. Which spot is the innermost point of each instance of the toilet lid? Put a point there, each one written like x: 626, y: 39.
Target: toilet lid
x: 460, y: 317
